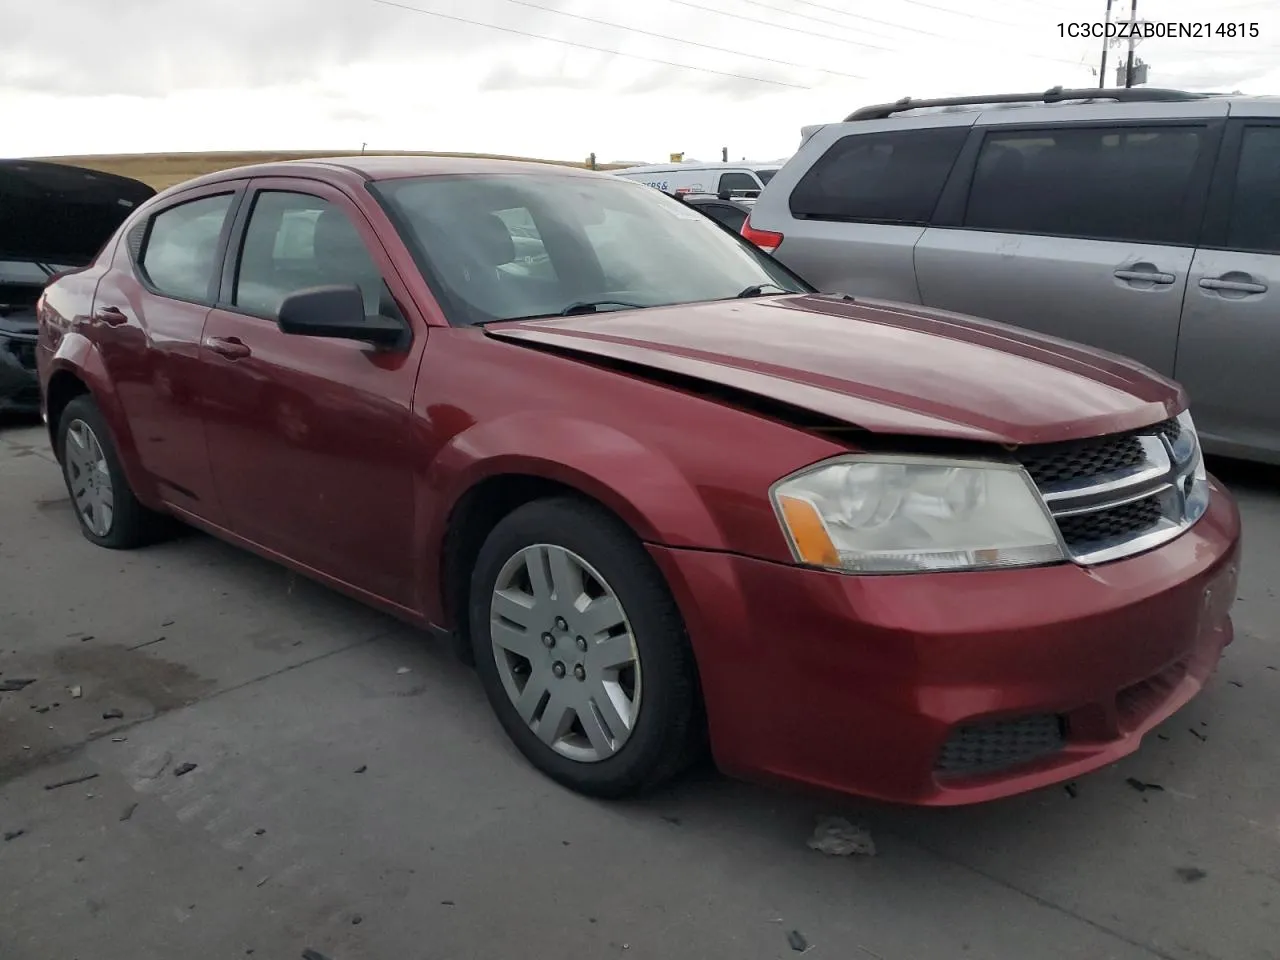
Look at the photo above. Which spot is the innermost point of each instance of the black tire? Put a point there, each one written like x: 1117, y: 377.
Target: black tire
x: 668, y: 732
x: 132, y: 525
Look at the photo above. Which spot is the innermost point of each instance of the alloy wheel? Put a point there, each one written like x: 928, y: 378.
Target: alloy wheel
x: 89, y: 477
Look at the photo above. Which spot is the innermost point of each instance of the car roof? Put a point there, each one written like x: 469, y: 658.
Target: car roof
x: 367, y: 167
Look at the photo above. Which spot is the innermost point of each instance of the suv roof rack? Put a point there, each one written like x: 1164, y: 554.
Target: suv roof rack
x: 882, y: 111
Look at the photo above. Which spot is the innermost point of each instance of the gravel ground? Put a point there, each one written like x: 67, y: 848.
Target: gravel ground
x: 331, y: 800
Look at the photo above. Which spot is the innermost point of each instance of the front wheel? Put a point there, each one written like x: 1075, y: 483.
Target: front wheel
x: 581, y: 650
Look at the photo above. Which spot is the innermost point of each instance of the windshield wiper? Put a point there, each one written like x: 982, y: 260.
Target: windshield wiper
x: 593, y: 306
x: 757, y: 290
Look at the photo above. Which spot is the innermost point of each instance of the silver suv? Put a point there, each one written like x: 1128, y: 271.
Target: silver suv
x: 1145, y: 222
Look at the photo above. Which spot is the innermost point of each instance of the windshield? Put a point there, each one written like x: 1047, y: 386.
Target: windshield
x: 509, y: 246
x: 765, y: 176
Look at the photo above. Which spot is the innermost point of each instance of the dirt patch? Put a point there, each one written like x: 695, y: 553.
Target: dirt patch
x: 81, y: 693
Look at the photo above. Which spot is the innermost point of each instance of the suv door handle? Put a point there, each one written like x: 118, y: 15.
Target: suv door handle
x: 111, y: 316
x: 230, y: 347
x: 1149, y: 276
x: 1234, y: 286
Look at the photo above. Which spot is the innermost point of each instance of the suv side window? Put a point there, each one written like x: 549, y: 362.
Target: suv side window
x: 879, y: 177
x: 1100, y: 183
x: 180, y: 254
x: 294, y: 241
x: 1255, y: 208
x: 737, y: 181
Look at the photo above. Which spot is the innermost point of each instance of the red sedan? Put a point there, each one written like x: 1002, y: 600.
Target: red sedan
x: 664, y: 493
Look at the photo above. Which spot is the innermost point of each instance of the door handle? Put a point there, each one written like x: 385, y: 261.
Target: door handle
x: 230, y: 347
x: 111, y: 316
x: 1234, y: 286
x: 1149, y: 276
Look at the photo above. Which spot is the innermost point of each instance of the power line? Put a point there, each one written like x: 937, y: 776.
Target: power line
x: 961, y: 13
x: 691, y: 43
x: 859, y: 16
x: 779, y: 26
x: 586, y: 46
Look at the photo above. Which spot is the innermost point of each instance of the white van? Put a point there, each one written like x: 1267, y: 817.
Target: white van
x: 738, y: 180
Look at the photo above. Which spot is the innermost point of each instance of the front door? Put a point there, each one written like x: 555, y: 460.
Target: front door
x: 309, y: 438
x: 1231, y: 319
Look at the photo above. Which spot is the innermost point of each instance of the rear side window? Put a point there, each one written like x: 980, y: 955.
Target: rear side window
x: 1255, y: 209
x: 180, y: 255
x: 880, y: 177
x: 1101, y: 183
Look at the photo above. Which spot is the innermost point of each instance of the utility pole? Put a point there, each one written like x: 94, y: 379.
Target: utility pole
x: 1133, y: 30
x: 724, y: 154
x: 1106, y: 43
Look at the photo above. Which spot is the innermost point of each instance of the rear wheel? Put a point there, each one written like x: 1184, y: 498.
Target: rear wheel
x: 582, y: 651
x: 109, y: 513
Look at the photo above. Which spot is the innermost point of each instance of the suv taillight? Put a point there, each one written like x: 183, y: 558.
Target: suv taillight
x: 766, y: 240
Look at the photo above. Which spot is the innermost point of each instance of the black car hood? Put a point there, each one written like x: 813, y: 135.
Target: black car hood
x: 55, y: 213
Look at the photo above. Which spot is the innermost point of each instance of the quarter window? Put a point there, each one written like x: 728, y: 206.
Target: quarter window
x: 1255, y: 209
x: 1099, y: 183
x: 879, y: 177
x: 295, y: 241
x: 180, y: 255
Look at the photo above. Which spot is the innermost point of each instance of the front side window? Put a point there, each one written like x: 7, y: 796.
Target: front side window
x: 879, y: 177
x: 180, y: 254
x: 765, y: 176
x: 501, y: 247
x: 1255, y: 209
x: 1101, y: 183
x: 294, y: 241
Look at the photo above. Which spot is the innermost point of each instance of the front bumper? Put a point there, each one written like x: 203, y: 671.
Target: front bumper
x: 19, y: 385
x: 953, y: 688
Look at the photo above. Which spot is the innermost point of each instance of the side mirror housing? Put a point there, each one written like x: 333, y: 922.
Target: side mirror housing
x: 338, y: 312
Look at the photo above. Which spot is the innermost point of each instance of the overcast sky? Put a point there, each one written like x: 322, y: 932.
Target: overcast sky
x: 123, y: 76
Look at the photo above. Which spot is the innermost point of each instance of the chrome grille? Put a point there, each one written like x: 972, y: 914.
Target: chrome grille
x: 1118, y: 495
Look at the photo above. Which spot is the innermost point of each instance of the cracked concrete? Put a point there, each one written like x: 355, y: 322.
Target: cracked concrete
x: 329, y: 786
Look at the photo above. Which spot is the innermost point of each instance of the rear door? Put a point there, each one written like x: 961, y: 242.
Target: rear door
x: 853, y: 203
x: 1083, y: 230
x: 1230, y: 342
x: 148, y: 317
x: 310, y: 437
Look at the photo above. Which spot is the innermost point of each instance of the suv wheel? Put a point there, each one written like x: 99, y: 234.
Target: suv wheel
x: 582, y: 651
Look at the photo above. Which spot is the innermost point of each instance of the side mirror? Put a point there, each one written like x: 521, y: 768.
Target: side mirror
x: 338, y: 312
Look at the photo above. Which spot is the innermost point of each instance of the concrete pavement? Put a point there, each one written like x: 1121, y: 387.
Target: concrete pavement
x: 341, y: 804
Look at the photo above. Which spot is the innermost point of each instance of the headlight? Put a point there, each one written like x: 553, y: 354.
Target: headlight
x: 1195, y: 483
x: 876, y: 514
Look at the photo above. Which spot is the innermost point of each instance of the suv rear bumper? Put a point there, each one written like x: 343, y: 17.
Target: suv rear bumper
x: 953, y: 688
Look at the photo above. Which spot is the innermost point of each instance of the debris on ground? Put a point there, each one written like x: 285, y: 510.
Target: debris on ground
x: 1142, y: 786
x: 13, y: 685
x: 147, y: 643
x: 1190, y: 874
x: 75, y: 693
x: 262, y: 881
x: 13, y: 835
x: 1071, y: 789
x: 72, y: 782
x: 310, y: 954
x: 114, y: 713
x: 1235, y: 683
x: 356, y: 919
x: 1162, y: 736
x: 259, y: 832
x: 797, y: 941
x: 362, y: 768
x: 837, y: 837
x: 1198, y: 734
x: 128, y: 812
x: 404, y: 670
x: 183, y: 769
x: 446, y: 903
x: 167, y: 623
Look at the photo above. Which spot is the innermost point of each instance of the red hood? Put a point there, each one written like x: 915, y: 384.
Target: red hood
x: 885, y: 367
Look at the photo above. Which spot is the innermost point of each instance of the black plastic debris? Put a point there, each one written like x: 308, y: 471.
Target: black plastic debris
x: 72, y: 782
x: 259, y: 832
x: 797, y: 941
x: 1235, y: 683
x: 13, y: 835
x: 1198, y: 734
x: 13, y: 685
x: 1072, y: 791
x: 362, y: 768
x: 310, y: 954
x: 356, y: 919
x: 1142, y: 786
x: 114, y: 713
x: 1190, y: 874
x: 183, y: 769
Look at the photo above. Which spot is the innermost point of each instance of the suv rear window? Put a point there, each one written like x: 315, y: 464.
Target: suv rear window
x: 880, y: 177
x: 1100, y: 183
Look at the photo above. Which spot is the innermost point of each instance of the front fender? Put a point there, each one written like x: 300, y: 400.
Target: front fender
x: 78, y: 355
x: 636, y: 481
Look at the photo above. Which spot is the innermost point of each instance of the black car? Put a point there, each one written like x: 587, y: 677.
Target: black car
x: 731, y: 213
x: 53, y: 217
